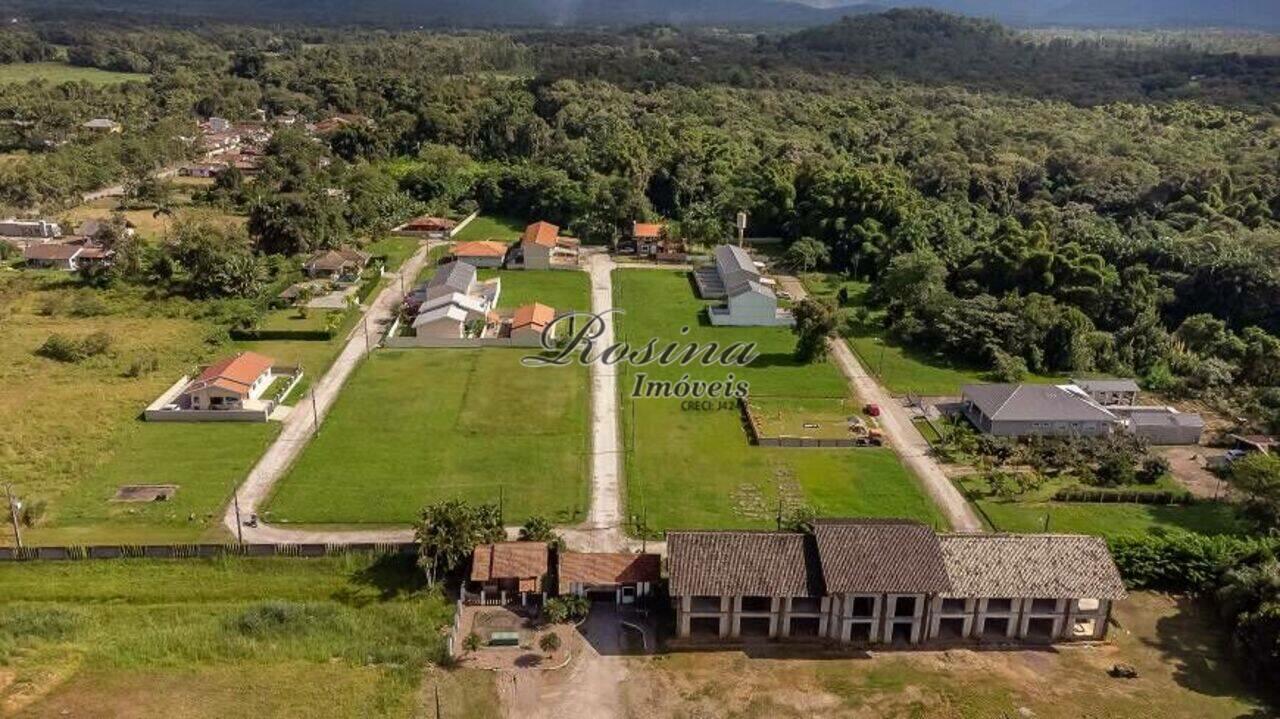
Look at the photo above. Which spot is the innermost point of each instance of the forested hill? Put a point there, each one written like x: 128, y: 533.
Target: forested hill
x: 455, y: 13
x: 934, y: 47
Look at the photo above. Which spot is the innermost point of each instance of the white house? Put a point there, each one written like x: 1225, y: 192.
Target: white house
x: 542, y: 247
x: 749, y: 295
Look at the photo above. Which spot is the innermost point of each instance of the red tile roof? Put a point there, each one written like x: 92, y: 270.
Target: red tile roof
x: 235, y: 374
x: 509, y: 560
x: 427, y: 223
x: 483, y: 248
x: 536, y: 315
x: 51, y: 251
x: 646, y: 230
x: 541, y: 233
x: 598, y: 569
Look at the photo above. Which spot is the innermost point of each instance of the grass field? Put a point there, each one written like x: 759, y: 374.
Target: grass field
x: 901, y: 370
x: 149, y: 225
x: 395, y: 249
x: 334, y: 637
x: 1174, y: 643
x: 819, y: 417
x: 695, y: 468
x: 488, y: 227
x: 416, y: 426
x: 72, y: 432
x: 561, y: 289
x: 59, y: 72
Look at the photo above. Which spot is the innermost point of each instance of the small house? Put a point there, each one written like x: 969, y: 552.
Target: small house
x: 620, y: 578
x: 53, y: 256
x: 749, y: 297
x: 483, y: 253
x: 344, y: 264
x: 541, y: 247
x: 1109, y: 391
x: 103, y: 125
x: 37, y: 229
x: 509, y: 572
x: 429, y: 226
x: 229, y: 384
x: 529, y: 323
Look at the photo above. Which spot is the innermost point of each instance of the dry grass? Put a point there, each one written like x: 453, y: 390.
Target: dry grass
x: 1173, y: 644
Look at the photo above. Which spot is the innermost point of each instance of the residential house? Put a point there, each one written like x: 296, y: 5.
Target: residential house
x: 344, y: 264
x: 647, y: 240
x: 429, y: 226
x: 542, y: 247
x: 230, y: 384
x: 452, y: 301
x: 35, y: 229
x: 53, y: 256
x: 1109, y: 391
x: 102, y: 124
x: 872, y: 581
x: 1020, y: 410
x: 201, y: 170
x: 505, y: 571
x: 484, y: 253
x: 90, y: 228
x: 1162, y: 425
x: 529, y: 322
x: 621, y: 578
x: 749, y: 296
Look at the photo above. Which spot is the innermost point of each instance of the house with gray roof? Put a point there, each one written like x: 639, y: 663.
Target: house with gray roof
x: 453, y: 303
x: 890, y: 581
x: 1022, y: 410
x: 749, y: 297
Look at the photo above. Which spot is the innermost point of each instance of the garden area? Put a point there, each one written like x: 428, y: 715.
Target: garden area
x: 341, y: 636
x: 416, y: 426
x: 1113, y: 486
x: 694, y: 468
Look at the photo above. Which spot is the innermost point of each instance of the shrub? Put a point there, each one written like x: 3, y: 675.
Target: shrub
x: 277, y: 617
x: 62, y: 348
x: 549, y: 642
x: 471, y: 642
x: 1153, y: 468
x: 567, y: 609
x: 1184, y: 562
x: 142, y: 365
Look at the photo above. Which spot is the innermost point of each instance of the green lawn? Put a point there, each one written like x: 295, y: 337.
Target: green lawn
x: 414, y: 426
x: 488, y: 227
x: 288, y: 320
x: 346, y: 636
x: 395, y: 249
x: 58, y: 72
x: 561, y: 289
x: 687, y: 469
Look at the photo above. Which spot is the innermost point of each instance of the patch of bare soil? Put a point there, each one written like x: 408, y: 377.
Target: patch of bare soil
x: 1187, y: 464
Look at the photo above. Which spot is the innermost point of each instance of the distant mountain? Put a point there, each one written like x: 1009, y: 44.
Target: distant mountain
x: 1260, y: 14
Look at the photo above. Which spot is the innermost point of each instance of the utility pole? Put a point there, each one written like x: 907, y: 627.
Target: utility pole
x: 235, y: 499
x: 315, y: 413
x: 13, y: 514
x: 501, y: 516
x: 365, y: 324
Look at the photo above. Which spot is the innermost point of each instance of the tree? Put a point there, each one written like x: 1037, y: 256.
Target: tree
x: 815, y: 322
x: 567, y: 608
x: 807, y: 254
x: 447, y: 533
x: 538, y: 529
x: 1153, y: 468
x: 549, y: 643
x: 1258, y: 476
x: 216, y: 259
x: 290, y: 225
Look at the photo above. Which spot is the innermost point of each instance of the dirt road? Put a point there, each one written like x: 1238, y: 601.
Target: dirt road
x: 299, y: 426
x: 896, y: 423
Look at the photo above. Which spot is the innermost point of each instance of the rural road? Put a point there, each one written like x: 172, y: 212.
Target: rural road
x: 896, y: 423
x: 117, y: 190
x: 298, y: 429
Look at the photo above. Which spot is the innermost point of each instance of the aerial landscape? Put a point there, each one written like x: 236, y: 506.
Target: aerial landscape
x: 721, y: 358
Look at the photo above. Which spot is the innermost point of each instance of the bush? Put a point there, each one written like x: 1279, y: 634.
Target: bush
x: 471, y: 642
x: 62, y: 348
x: 1153, y: 468
x: 88, y: 303
x: 567, y: 609
x: 272, y: 618
x: 1184, y: 562
x: 549, y: 642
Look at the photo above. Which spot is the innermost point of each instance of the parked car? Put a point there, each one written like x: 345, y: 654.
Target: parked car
x: 872, y: 410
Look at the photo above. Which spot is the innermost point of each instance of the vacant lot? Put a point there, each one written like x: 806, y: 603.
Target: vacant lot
x: 416, y: 426
x: 149, y: 224
x: 695, y: 468
x: 488, y: 227
x: 1173, y: 644
x: 563, y: 290
x: 334, y: 637
x: 1109, y: 520
x: 58, y: 72
x: 901, y: 370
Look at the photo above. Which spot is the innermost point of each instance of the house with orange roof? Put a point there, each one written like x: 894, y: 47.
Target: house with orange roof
x: 429, y: 226
x: 529, y: 322
x: 232, y: 389
x: 482, y: 253
x: 618, y: 577
x: 504, y: 572
x: 542, y: 247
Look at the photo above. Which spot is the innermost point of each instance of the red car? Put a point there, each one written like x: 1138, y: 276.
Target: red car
x: 872, y: 410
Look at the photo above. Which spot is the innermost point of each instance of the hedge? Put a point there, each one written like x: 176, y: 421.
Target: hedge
x: 1185, y: 562
x: 298, y: 335
x: 1132, y: 496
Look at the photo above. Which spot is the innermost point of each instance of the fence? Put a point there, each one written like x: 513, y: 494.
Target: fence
x: 757, y: 438
x: 1125, y: 496
x: 195, y: 551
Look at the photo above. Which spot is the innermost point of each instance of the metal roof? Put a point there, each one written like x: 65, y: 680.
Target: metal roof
x: 1035, y: 402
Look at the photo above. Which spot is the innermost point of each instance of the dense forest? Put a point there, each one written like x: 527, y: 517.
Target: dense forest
x: 1024, y: 205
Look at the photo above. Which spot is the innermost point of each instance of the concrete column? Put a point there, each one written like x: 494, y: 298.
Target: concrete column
x: 1015, y: 619
x: 682, y: 619
x: 785, y: 631
x: 735, y: 626
x: 724, y: 626
x: 824, y: 607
